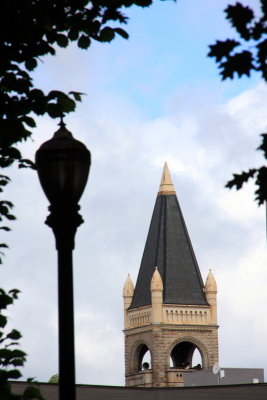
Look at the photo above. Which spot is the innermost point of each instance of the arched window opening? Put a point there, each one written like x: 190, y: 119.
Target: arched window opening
x: 196, y: 359
x: 143, y: 358
x: 146, y: 361
x: 185, y: 355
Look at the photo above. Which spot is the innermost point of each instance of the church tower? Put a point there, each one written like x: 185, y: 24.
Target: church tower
x: 169, y: 314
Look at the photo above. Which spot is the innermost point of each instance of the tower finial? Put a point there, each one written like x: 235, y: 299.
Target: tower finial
x: 166, y: 185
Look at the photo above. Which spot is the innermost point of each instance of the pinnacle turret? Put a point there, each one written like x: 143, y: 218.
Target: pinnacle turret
x: 128, y: 289
x: 210, y: 285
x: 156, y: 282
x: 211, y: 295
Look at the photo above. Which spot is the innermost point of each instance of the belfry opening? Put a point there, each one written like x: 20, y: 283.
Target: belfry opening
x: 182, y: 356
x: 170, y: 316
x: 143, y: 358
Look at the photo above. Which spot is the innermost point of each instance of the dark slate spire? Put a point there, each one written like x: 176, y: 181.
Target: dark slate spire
x: 169, y: 248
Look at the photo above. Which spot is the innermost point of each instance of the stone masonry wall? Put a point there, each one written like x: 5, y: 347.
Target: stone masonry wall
x: 160, y: 339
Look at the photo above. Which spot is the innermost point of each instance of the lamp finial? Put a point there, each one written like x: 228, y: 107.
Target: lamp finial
x: 62, y: 123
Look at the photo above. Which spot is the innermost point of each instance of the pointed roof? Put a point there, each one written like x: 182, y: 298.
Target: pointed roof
x: 168, y: 247
x: 166, y: 186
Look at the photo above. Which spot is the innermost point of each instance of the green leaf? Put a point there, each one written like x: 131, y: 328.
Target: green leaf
x: 55, y: 94
x: 143, y: 3
x: 31, y: 379
x: 77, y: 95
x: 17, y: 362
x: 261, y: 192
x: 258, y: 30
x: 11, y: 344
x: 222, y: 49
x: 53, y: 110
x: 66, y: 104
x: 62, y: 40
x: 36, y: 94
x: 107, y: 34
x: 262, y: 58
x: 240, y: 63
x: 29, y: 121
x: 54, y: 378
x: 31, y: 64
x: 4, y: 180
x: 24, y: 163
x: 3, y: 320
x: 14, y: 293
x: 5, y: 353
x: 84, y: 42
x: 14, y: 153
x: 10, y: 217
x: 240, y: 16
x: 240, y: 179
x: 18, y: 353
x: 7, y: 203
x: 5, y: 300
x: 263, y: 146
x: 14, y: 335
x: 39, y: 105
x: 122, y: 33
x: 73, y: 34
x: 14, y: 374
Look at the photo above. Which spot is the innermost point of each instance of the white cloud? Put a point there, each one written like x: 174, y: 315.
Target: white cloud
x: 204, y: 141
x: 226, y: 228
x: 98, y: 345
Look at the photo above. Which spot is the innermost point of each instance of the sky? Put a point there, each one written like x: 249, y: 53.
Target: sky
x: 153, y: 98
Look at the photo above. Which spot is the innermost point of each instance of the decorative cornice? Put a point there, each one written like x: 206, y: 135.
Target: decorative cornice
x: 136, y: 331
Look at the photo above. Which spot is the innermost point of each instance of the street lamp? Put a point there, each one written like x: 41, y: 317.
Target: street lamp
x: 63, y: 165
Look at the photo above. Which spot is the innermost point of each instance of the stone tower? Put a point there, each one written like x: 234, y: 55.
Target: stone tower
x: 170, y: 313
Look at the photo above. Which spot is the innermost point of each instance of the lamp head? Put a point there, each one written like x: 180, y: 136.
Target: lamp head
x: 63, y: 165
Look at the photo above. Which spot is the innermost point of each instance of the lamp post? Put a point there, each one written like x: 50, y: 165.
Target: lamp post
x: 63, y: 165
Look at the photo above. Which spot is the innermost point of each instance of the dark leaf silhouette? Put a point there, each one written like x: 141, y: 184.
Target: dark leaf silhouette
x: 107, y: 34
x: 240, y: 63
x: 262, y: 58
x: 232, y: 63
x: 222, y: 49
x: 84, y: 42
x: 261, y: 192
x: 263, y: 146
x: 122, y: 33
x: 240, y: 16
x: 240, y: 179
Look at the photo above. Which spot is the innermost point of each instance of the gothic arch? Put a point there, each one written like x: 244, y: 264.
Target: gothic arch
x: 138, y: 352
x: 184, y: 353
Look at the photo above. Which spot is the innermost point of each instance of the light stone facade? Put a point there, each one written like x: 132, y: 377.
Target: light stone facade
x: 168, y: 332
